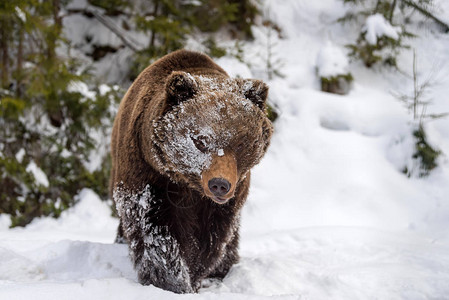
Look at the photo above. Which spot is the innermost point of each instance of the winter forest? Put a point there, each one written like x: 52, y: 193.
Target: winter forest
x: 351, y: 201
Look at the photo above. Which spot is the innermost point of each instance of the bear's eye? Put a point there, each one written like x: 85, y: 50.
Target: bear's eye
x: 200, y: 143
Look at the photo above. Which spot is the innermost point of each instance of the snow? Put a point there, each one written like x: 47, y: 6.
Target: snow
x: 5, y: 221
x: 181, y: 149
x: 85, y: 33
x: 20, y: 154
x: 38, y: 174
x: 376, y: 26
x: 20, y: 14
x: 82, y: 88
x: 104, y: 89
x: 331, y: 61
x: 234, y: 68
x: 89, y: 220
x: 329, y: 214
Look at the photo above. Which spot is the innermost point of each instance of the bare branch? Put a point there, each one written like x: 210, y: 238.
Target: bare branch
x: 115, y: 30
x: 127, y: 41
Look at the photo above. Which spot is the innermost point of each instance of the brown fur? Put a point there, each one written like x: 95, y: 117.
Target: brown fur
x: 182, y: 123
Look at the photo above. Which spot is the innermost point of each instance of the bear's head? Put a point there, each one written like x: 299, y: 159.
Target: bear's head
x: 213, y: 130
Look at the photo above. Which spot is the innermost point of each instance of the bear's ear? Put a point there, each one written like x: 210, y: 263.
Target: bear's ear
x: 180, y: 86
x: 256, y: 91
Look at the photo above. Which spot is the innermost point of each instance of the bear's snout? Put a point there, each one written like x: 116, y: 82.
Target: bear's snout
x: 219, y: 186
x: 220, y: 179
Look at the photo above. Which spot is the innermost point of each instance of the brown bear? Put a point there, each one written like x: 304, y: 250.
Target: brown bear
x: 183, y: 143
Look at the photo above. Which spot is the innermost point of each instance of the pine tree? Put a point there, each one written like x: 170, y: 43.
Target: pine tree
x: 396, y: 14
x: 46, y: 121
x: 50, y: 119
x: 163, y: 22
x: 169, y: 22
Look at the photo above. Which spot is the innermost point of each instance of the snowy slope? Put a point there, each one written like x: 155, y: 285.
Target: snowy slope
x: 329, y: 216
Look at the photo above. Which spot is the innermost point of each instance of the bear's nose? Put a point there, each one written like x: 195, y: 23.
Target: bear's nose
x: 219, y: 186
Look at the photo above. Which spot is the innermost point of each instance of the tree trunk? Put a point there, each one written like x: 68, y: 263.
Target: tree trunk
x: 393, y: 7
x: 54, y: 35
x: 19, y: 65
x: 153, y: 33
x: 5, y: 55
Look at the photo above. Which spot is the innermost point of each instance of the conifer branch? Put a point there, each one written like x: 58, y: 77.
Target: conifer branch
x: 426, y: 13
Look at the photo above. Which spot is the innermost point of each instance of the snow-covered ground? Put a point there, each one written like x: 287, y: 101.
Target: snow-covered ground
x: 329, y: 216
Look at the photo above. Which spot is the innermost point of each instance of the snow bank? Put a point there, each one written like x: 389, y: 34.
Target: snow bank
x: 5, y: 221
x: 89, y: 220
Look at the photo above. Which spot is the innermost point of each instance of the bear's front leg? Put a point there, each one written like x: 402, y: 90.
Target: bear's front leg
x: 154, y: 251
x: 230, y: 258
x: 158, y: 261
